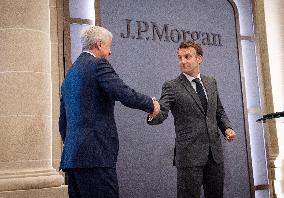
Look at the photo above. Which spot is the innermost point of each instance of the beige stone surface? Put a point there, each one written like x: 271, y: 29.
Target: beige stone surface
x: 56, y: 192
x: 60, y: 3
x: 56, y: 144
x: 61, y: 62
x: 26, y: 116
x: 56, y: 69
x: 53, y: 25
x: 25, y: 50
x: 54, y: 65
x: 56, y: 139
x: 30, y: 180
x: 25, y: 138
x: 52, y: 4
x: 25, y: 93
x: 26, y: 14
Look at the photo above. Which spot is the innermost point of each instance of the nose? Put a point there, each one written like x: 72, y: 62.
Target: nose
x: 109, y: 53
x: 182, y: 60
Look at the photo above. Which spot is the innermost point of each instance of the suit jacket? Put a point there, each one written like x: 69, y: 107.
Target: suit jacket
x: 86, y: 123
x: 196, y: 130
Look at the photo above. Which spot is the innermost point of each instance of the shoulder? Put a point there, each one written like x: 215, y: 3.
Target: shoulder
x: 207, y: 77
x: 87, y: 59
x: 169, y: 83
x: 210, y: 79
x: 174, y: 82
x: 101, y: 61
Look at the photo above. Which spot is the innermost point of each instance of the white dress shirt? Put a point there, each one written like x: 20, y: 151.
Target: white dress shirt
x: 193, y: 84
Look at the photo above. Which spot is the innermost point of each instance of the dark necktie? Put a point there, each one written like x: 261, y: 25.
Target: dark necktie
x: 201, y: 93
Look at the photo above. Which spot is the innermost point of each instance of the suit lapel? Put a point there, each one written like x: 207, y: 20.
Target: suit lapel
x: 185, y: 82
x: 209, y: 89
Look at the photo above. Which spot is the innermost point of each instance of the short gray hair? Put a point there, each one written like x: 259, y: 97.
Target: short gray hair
x: 91, y: 35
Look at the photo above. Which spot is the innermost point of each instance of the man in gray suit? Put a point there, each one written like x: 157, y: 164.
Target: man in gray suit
x: 198, y: 113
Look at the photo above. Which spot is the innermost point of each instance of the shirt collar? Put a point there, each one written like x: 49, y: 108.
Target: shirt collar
x: 90, y: 53
x: 190, y: 78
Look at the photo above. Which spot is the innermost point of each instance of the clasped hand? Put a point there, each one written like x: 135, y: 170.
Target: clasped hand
x: 156, y: 108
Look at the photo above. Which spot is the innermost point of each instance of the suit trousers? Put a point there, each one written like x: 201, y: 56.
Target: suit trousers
x: 211, y: 176
x: 98, y: 182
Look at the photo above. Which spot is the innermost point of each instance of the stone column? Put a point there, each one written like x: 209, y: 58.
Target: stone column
x: 269, y: 23
x: 274, y: 15
x: 26, y: 100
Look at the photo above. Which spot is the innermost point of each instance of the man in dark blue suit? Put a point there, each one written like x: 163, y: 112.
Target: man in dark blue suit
x: 86, y: 121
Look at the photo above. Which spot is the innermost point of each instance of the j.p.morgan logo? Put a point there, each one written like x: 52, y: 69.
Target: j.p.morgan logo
x: 143, y: 30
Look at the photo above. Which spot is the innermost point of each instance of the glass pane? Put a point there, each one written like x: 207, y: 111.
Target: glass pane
x: 258, y: 153
x: 245, y: 17
x: 262, y: 194
x: 76, y: 47
x: 82, y: 9
x: 250, y: 73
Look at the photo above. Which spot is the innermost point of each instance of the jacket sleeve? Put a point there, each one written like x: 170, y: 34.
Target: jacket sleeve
x: 110, y: 82
x: 221, y: 116
x: 62, y: 119
x: 166, y: 101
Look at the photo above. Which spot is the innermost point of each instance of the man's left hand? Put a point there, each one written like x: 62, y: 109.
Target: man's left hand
x: 230, y: 135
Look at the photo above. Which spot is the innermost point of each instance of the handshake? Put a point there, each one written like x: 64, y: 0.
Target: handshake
x: 156, y: 109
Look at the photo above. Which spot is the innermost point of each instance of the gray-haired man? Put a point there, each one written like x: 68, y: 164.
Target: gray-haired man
x: 86, y: 122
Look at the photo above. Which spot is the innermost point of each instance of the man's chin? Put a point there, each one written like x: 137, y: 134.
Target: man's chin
x: 186, y: 72
x: 106, y: 57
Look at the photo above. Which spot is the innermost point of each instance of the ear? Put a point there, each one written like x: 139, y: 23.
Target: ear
x: 199, y: 59
x: 99, y: 44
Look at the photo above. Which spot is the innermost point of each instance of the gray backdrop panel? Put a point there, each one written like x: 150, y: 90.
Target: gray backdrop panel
x: 145, y: 61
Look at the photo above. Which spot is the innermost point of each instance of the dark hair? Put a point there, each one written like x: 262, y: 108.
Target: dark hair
x: 196, y: 46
